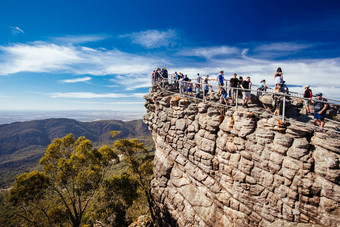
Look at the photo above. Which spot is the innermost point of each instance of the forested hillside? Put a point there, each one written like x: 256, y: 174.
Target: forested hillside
x: 22, y: 144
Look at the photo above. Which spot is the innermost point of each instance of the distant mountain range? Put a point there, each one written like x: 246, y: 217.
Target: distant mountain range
x: 22, y: 144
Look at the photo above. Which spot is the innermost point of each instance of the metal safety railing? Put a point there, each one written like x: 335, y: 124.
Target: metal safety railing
x: 182, y: 86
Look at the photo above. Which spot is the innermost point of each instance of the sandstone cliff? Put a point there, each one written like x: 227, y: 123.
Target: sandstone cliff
x: 216, y: 167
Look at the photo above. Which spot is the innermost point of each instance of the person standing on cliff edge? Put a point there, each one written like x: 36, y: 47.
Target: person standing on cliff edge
x: 206, y: 87
x: 246, y: 86
x: 320, y: 109
x: 220, y: 79
x: 233, y: 83
x: 278, y: 78
x: 307, y: 95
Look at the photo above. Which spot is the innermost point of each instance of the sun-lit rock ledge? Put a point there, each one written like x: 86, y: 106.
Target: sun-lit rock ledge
x: 216, y: 167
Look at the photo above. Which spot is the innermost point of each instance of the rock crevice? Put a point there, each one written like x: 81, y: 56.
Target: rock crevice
x: 216, y: 167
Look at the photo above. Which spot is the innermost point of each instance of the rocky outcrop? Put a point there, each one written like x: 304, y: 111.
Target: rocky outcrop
x: 217, y: 167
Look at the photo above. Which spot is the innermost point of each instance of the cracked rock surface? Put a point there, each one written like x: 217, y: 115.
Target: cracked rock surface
x: 216, y: 167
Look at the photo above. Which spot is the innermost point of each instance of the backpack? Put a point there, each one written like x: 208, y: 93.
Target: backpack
x: 328, y: 106
x: 310, y: 93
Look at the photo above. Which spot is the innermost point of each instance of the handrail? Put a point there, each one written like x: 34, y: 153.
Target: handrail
x: 163, y: 80
x: 268, y: 92
x: 296, y: 94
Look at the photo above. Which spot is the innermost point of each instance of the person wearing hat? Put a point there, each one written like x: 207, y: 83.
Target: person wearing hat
x: 320, y: 110
x: 307, y: 95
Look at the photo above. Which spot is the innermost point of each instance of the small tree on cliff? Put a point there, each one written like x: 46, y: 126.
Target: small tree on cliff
x: 140, y: 164
x: 72, y: 175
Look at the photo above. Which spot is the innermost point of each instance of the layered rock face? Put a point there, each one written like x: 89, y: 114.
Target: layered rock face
x: 218, y: 167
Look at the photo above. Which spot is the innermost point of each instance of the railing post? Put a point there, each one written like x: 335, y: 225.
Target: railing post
x: 283, y: 108
x: 236, y: 98
x: 203, y: 94
x: 180, y: 88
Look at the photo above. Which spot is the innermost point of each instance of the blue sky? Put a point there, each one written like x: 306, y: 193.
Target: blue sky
x: 98, y: 55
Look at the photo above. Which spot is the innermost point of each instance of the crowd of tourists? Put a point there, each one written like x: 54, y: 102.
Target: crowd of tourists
x: 241, y: 88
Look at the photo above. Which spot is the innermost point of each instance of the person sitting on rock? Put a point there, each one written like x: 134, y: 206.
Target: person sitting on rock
x: 320, y: 109
x: 283, y: 88
x: 262, y: 87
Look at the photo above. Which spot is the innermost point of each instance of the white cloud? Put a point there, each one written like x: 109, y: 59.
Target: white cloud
x: 209, y: 52
x: 52, y: 58
x: 72, y: 39
x: 126, y: 103
x: 153, y: 38
x: 138, y: 95
x: 37, y: 57
x: 86, y: 95
x: 133, y: 81
x: 91, y: 95
x: 16, y: 30
x: 134, y: 70
x: 76, y: 80
x: 283, y: 46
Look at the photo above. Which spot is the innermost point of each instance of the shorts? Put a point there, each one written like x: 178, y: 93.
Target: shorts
x: 234, y: 90
x: 278, y: 80
x: 190, y: 89
x: 220, y: 84
x: 224, y: 96
x: 306, y: 102
x: 318, y: 116
x: 206, y: 92
x: 246, y: 94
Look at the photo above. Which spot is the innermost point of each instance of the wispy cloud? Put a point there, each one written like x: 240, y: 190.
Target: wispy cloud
x: 283, y: 46
x: 76, y: 80
x: 48, y: 57
x: 209, y: 52
x: 72, y: 39
x: 91, y: 95
x: 16, y: 30
x: 86, y: 95
x: 153, y: 38
x: 133, y: 81
x: 132, y: 71
x: 37, y: 57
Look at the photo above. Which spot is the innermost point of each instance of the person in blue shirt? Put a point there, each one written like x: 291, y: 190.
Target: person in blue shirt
x: 262, y: 87
x: 283, y: 88
x: 223, y: 96
x: 220, y: 79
